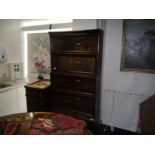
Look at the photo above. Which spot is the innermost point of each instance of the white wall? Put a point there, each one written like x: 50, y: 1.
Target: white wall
x: 10, y: 38
x: 83, y: 24
x: 121, y: 91
x: 131, y: 82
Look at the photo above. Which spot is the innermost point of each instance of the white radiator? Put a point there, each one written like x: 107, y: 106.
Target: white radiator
x: 121, y: 109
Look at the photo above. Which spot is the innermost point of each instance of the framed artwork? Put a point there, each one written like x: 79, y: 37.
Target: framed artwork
x: 39, y: 53
x: 138, y: 45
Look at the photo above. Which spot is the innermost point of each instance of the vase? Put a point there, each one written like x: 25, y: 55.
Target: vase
x: 40, y: 77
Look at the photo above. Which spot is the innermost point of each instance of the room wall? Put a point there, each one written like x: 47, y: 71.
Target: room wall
x: 10, y: 38
x: 121, y: 91
x: 114, y: 79
x: 83, y: 24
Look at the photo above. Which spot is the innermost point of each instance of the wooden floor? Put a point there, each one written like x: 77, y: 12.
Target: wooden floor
x: 101, y: 129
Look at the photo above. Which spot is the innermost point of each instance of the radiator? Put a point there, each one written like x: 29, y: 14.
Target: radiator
x: 121, y: 109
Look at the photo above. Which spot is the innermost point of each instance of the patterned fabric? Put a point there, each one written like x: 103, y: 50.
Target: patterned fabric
x: 11, y: 128
x: 42, y: 124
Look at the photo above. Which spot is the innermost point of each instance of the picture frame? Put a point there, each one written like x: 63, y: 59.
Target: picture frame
x: 39, y: 54
x: 138, y: 45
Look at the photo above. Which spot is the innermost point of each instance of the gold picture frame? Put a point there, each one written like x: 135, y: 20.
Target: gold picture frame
x: 138, y: 45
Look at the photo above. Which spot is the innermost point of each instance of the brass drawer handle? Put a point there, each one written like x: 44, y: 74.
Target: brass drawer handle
x: 78, y: 81
x: 78, y: 62
x: 78, y: 44
x: 54, y: 68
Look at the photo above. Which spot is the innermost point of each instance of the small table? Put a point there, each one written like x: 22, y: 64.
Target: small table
x: 38, y: 96
x: 42, y: 123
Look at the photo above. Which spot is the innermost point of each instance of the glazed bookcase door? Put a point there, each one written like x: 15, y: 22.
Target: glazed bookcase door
x: 75, y: 64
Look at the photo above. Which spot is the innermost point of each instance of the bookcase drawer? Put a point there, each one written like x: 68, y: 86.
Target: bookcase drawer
x: 73, y: 102
x: 73, y: 83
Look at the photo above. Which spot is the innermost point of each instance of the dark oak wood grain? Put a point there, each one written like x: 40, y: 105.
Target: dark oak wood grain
x: 74, y: 83
x: 76, y: 60
x: 38, y: 100
x: 147, y: 116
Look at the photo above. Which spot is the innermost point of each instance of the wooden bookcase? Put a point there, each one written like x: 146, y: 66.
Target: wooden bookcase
x: 76, y: 59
